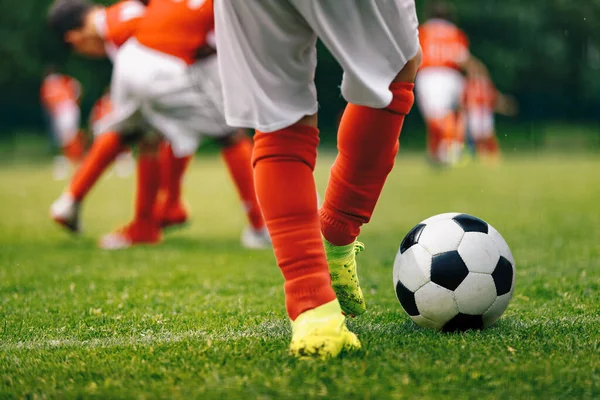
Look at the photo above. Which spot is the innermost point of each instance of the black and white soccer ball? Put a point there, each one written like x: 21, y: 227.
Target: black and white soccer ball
x: 454, y: 272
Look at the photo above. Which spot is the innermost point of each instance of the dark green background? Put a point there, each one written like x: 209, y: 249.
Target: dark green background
x: 545, y: 52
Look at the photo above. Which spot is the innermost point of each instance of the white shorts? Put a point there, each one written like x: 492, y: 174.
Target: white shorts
x: 153, y: 89
x: 438, y: 91
x: 267, y: 54
x: 65, y: 122
x: 480, y: 122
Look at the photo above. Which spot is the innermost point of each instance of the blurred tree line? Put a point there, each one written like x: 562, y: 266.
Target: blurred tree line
x: 545, y: 52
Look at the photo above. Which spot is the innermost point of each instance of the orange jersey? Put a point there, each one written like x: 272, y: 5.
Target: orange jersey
x: 443, y: 44
x: 480, y: 92
x: 177, y: 27
x: 102, y: 107
x: 117, y: 23
x: 58, y: 89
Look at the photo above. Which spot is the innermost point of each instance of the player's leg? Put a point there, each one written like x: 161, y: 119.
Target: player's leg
x: 481, y: 123
x: 144, y: 228
x: 438, y: 91
x: 377, y: 45
x: 285, y: 150
x: 110, y: 132
x: 105, y: 148
x: 170, y: 209
x: 236, y: 150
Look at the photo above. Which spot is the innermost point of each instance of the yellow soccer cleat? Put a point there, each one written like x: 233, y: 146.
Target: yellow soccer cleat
x: 344, y: 276
x: 321, y: 333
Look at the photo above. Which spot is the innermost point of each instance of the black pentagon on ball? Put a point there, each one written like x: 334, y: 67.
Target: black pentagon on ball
x: 448, y: 270
x: 503, y: 276
x: 463, y: 322
x: 407, y: 299
x: 411, y: 238
x: 470, y: 223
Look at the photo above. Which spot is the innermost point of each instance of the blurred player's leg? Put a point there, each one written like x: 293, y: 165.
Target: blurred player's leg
x: 438, y: 94
x: 105, y: 148
x: 237, y: 154
x: 481, y: 127
x: 144, y: 229
x: 170, y: 209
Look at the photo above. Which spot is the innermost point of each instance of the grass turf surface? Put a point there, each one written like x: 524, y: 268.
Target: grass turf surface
x: 199, y: 317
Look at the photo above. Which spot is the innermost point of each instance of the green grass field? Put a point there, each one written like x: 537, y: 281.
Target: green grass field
x: 198, y: 317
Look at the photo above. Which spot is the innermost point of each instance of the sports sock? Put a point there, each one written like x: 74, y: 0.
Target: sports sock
x: 148, y: 177
x: 164, y: 157
x: 367, y: 144
x: 172, y: 169
x: 238, y: 158
x: 104, y: 150
x: 283, y: 162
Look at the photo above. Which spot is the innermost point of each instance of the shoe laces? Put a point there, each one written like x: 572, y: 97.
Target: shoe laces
x: 358, y: 247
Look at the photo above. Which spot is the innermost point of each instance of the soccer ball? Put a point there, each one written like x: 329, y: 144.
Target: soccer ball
x: 454, y: 272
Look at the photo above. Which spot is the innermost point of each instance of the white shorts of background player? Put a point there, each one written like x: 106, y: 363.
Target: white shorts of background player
x: 438, y: 91
x: 150, y: 89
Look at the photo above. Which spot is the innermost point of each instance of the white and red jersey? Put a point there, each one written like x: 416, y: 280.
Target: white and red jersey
x: 479, y: 92
x: 117, y: 23
x: 443, y: 44
x: 58, y: 91
x: 177, y: 27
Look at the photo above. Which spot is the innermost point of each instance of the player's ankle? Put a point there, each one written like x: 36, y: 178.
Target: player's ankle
x: 308, y: 292
x: 335, y: 251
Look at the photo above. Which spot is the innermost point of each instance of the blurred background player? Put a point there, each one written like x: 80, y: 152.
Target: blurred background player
x: 167, y: 78
x: 440, y: 82
x: 267, y: 52
x: 60, y: 95
x: 481, y: 100
x: 95, y: 31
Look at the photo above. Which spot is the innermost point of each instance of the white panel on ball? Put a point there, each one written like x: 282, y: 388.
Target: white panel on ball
x: 496, y: 310
x: 413, y: 267
x: 475, y: 294
x: 440, y: 217
x: 427, y: 323
x: 479, y: 252
x: 501, y: 244
x: 436, y: 303
x: 441, y: 236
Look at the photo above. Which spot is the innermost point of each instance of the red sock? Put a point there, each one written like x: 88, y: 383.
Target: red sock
x: 172, y: 169
x: 283, y: 171
x: 104, y: 150
x: 148, y: 177
x: 238, y: 158
x: 164, y: 156
x: 367, y: 143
